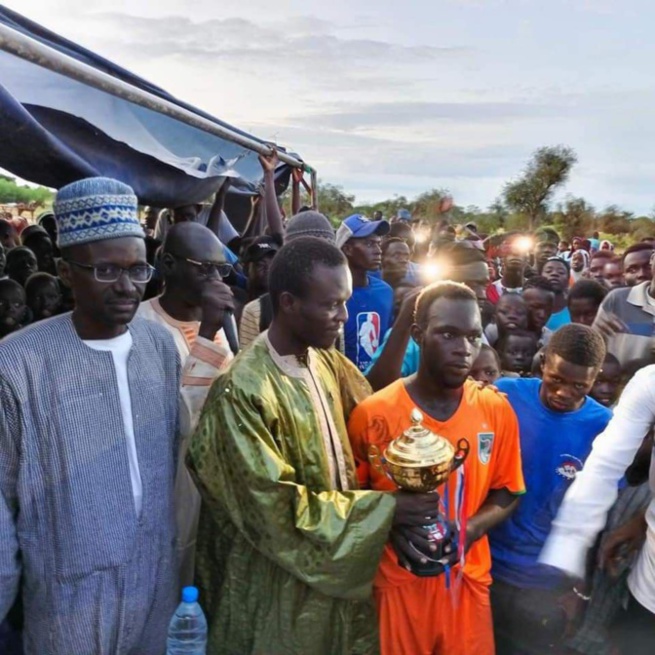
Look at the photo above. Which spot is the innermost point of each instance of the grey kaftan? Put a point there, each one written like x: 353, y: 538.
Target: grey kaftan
x: 97, y: 580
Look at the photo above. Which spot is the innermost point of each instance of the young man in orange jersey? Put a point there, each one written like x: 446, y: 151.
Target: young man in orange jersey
x: 422, y: 615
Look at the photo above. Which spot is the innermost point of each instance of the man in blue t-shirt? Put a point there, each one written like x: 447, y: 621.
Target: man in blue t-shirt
x: 370, y: 308
x: 558, y: 423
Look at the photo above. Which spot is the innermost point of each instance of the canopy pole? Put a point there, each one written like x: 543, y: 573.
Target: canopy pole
x: 314, y: 183
x: 22, y: 46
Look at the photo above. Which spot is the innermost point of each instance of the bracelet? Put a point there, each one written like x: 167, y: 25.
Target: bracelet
x: 581, y: 596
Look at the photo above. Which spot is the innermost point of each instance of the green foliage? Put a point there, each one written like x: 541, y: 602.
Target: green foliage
x: 548, y: 169
x: 614, y: 221
x: 426, y: 207
x: 334, y: 202
x: 524, y: 204
x: 387, y: 207
x: 574, y: 217
x: 11, y: 192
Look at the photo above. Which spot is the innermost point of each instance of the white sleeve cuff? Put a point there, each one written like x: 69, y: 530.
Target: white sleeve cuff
x: 567, y: 553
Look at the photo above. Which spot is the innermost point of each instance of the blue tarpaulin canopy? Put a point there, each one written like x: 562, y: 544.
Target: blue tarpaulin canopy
x: 67, y: 113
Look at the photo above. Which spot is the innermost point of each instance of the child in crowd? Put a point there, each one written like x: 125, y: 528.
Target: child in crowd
x: 516, y: 351
x: 511, y: 315
x: 486, y: 368
x: 43, y: 296
x: 607, y: 388
x: 14, y: 313
x: 539, y: 296
x: 585, y: 298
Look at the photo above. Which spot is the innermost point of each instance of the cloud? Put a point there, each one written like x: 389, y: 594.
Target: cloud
x: 406, y: 113
x: 362, y: 93
x: 303, y: 36
x: 339, y: 154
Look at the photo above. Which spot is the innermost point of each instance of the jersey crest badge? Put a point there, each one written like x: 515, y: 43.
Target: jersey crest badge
x: 485, y: 445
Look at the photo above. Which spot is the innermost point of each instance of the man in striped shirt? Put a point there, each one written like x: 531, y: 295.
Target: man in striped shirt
x: 193, y: 308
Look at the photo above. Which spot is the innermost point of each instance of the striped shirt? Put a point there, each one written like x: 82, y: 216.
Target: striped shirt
x: 202, y: 362
x: 249, y: 326
x: 636, y: 309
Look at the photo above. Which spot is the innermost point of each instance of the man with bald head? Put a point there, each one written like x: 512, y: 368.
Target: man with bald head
x: 193, y: 308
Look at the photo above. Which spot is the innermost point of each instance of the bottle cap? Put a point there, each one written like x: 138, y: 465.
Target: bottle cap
x: 189, y: 595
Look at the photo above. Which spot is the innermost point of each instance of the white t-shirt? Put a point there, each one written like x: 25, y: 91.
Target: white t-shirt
x: 120, y: 350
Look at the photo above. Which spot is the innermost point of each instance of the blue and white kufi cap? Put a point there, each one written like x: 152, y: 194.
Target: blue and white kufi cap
x: 95, y: 209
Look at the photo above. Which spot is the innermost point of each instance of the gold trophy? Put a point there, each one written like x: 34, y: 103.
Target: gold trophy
x: 421, y: 461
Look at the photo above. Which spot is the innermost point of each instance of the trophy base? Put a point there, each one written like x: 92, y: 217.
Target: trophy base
x: 444, y: 535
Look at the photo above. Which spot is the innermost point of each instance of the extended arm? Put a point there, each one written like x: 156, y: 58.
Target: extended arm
x: 387, y: 367
x: 296, y: 179
x: 498, y: 507
x: 273, y: 215
x: 584, y: 510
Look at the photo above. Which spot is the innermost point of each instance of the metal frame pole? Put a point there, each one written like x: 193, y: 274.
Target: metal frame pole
x: 314, y: 183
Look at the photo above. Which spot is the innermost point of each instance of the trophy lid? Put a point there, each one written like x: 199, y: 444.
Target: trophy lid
x: 418, y: 446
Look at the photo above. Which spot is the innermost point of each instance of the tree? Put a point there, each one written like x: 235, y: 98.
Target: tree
x: 642, y: 228
x: 574, y: 218
x: 10, y: 192
x: 615, y: 221
x: 431, y: 204
x: 548, y: 169
x: 334, y: 202
x: 389, y: 208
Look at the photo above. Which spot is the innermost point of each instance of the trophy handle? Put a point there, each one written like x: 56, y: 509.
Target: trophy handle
x: 461, y: 454
x: 375, y: 458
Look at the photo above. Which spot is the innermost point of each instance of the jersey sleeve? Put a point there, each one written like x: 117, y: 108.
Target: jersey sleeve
x: 358, y: 432
x: 508, y: 468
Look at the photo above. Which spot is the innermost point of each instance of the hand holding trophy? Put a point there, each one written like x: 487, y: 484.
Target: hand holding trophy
x: 420, y: 461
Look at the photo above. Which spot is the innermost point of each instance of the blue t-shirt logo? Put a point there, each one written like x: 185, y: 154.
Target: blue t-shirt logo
x: 369, y: 335
x: 569, y: 466
x: 369, y: 318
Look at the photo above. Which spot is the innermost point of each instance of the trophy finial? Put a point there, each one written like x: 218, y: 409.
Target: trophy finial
x: 416, y: 417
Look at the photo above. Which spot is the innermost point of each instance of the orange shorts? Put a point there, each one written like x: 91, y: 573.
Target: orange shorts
x: 424, y: 618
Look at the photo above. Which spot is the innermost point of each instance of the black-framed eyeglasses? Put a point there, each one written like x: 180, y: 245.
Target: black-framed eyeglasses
x: 139, y: 273
x: 206, y: 268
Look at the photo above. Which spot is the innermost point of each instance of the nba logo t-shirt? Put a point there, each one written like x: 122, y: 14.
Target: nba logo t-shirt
x: 369, y: 317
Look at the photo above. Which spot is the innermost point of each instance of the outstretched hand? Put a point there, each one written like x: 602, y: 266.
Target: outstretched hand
x: 269, y: 162
x: 620, y: 545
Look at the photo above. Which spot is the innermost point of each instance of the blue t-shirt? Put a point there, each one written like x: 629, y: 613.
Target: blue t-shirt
x: 558, y: 319
x: 554, y: 447
x: 411, y: 357
x: 369, y: 317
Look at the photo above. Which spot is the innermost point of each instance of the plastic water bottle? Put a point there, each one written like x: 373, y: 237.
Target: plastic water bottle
x: 187, y: 632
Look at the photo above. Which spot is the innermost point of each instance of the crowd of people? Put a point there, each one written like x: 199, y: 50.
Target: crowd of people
x: 182, y: 405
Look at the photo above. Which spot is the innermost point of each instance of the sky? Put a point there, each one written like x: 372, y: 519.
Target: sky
x: 395, y: 98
